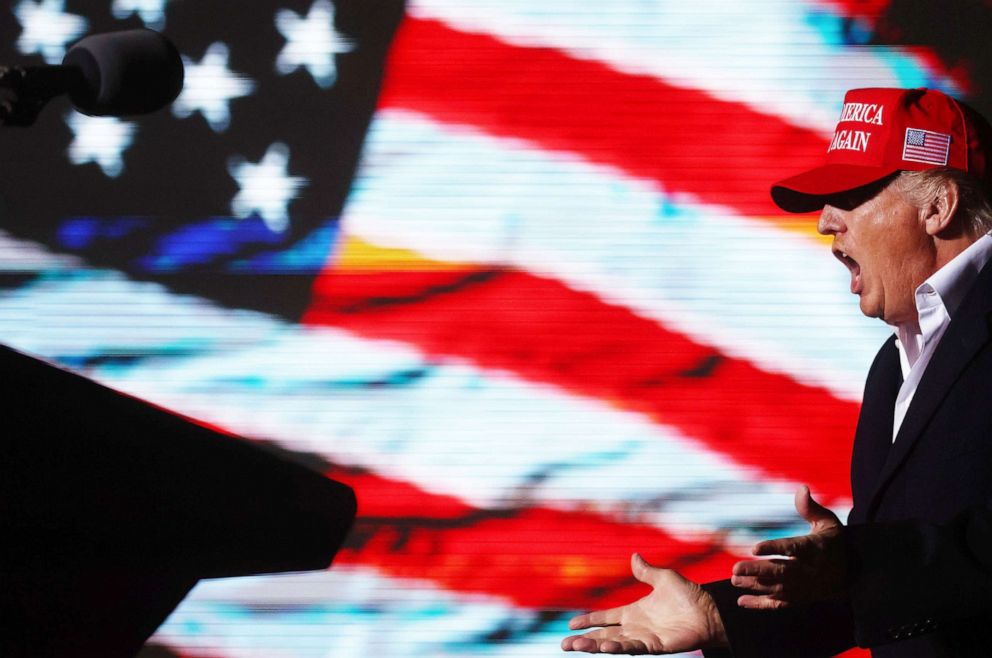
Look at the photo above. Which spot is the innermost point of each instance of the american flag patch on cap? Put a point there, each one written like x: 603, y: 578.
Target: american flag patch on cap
x: 926, y: 146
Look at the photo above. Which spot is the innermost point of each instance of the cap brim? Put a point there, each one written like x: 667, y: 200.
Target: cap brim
x: 809, y: 190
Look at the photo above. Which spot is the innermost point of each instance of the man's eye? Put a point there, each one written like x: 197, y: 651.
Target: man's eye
x: 851, y: 199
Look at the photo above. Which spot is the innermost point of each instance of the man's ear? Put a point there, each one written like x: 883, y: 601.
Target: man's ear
x: 939, y: 212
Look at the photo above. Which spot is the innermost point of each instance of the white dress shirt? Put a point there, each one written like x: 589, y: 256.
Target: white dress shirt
x: 937, y: 300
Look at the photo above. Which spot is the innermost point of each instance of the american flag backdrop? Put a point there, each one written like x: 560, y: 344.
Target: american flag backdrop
x: 508, y: 268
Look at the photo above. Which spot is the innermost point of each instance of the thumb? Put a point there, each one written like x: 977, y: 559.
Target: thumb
x: 818, y: 516
x: 642, y: 571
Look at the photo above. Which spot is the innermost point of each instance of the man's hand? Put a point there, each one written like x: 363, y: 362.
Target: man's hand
x: 813, y: 569
x: 677, y: 616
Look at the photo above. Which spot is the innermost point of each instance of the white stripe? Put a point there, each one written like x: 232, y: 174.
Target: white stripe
x: 349, y: 612
x: 18, y: 256
x: 87, y: 312
x: 449, y: 428
x: 778, y: 56
x: 767, y: 295
x: 485, y: 437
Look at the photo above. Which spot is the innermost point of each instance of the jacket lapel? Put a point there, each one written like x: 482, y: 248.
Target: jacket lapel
x: 873, y: 438
x: 967, y: 333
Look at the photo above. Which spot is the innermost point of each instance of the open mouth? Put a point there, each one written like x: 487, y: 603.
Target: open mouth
x: 853, y: 267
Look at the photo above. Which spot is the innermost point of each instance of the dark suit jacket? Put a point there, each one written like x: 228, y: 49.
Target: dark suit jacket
x: 920, y: 533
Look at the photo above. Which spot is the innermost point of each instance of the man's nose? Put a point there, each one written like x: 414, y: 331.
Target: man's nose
x: 831, y: 221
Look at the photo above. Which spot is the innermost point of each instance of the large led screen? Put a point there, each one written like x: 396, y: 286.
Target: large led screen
x: 509, y: 268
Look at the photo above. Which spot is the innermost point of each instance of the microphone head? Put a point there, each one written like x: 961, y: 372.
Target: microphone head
x: 129, y: 72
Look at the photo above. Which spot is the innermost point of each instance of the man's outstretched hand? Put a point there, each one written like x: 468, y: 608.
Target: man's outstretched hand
x: 814, y: 567
x: 676, y: 616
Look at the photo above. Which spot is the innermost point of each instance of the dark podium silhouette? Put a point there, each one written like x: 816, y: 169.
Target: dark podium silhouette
x: 111, y: 509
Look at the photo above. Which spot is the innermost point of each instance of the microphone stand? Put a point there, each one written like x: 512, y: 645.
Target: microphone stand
x: 24, y: 91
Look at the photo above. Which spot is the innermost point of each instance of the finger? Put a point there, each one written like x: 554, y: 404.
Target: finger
x: 644, y: 572
x: 763, y: 602
x: 631, y: 647
x: 776, y: 568
x: 592, y: 641
x: 760, y: 585
x: 609, y: 617
x: 789, y: 546
x: 744, y: 582
x: 813, y: 512
x: 580, y: 643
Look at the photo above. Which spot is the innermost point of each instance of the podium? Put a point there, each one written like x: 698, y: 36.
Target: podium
x: 111, y: 509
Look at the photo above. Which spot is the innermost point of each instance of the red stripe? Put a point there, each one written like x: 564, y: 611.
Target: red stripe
x: 723, y: 152
x: 534, y: 557
x: 158, y: 647
x: 871, y: 10
x: 855, y: 653
x: 547, y: 332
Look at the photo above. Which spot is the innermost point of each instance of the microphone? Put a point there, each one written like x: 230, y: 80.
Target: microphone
x: 131, y: 72
x: 112, y: 74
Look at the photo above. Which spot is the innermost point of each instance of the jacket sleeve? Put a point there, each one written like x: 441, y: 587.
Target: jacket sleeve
x: 910, y: 578
x: 906, y: 579
x: 806, y: 631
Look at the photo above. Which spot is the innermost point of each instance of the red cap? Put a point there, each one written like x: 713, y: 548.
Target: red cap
x: 882, y: 131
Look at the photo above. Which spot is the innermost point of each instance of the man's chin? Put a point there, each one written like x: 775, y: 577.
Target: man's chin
x: 870, y: 309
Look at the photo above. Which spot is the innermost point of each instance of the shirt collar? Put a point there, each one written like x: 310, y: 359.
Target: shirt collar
x: 938, y: 298
x: 951, y: 283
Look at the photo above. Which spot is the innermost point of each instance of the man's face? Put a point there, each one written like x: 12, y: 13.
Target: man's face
x: 882, y: 240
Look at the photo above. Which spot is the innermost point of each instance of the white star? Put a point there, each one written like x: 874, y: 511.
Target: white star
x: 102, y: 140
x: 311, y: 42
x: 209, y: 87
x: 266, y: 187
x: 151, y: 12
x: 46, y: 28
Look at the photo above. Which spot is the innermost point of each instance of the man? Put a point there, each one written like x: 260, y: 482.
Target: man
x: 905, y: 194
